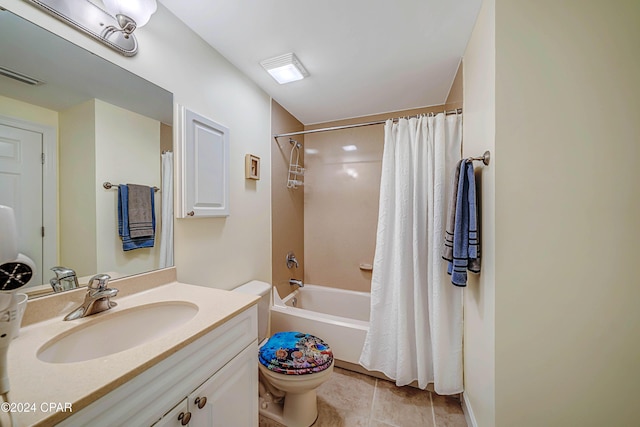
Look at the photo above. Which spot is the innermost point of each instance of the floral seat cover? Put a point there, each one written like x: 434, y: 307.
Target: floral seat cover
x: 295, y: 353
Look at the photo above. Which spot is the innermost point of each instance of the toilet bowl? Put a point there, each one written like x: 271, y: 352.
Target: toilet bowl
x: 292, y: 365
x: 297, y: 364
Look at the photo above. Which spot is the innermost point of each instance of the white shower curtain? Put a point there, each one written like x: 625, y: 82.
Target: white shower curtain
x: 416, y: 313
x: 166, y: 235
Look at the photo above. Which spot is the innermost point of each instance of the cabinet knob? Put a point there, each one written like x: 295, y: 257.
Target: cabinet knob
x: 184, y: 418
x: 192, y: 213
x: 201, y: 401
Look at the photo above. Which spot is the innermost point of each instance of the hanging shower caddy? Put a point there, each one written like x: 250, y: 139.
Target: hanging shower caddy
x: 296, y: 171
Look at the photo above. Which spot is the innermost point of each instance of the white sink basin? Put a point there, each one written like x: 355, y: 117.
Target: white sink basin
x: 116, y: 332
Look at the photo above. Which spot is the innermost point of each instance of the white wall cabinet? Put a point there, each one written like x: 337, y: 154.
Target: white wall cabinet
x: 221, y: 367
x: 202, y: 166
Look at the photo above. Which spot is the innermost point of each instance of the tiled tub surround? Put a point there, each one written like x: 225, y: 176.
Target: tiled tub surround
x: 82, y: 383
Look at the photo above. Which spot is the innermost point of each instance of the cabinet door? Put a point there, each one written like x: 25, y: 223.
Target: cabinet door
x: 177, y: 417
x: 203, y: 167
x: 230, y: 397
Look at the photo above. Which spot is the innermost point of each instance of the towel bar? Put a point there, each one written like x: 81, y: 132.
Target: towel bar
x: 486, y: 157
x: 107, y: 185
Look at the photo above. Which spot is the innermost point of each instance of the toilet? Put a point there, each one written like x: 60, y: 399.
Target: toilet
x: 292, y: 365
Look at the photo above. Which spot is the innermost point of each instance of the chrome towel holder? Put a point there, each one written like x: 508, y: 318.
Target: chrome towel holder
x: 485, y: 158
x: 108, y: 186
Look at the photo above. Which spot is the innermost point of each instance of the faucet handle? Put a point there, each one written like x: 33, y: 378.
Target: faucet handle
x: 291, y: 260
x: 63, y: 272
x: 102, y: 279
x: 55, y: 284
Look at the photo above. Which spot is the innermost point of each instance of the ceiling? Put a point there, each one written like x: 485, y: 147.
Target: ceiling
x: 364, y: 56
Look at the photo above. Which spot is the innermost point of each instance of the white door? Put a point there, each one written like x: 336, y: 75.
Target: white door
x: 21, y: 188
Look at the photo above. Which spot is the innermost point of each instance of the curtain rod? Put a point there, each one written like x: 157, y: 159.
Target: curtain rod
x: 357, y: 125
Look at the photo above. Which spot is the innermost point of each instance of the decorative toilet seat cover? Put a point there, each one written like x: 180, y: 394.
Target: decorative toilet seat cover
x: 295, y: 353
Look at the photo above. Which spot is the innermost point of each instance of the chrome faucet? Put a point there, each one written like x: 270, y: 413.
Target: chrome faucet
x: 297, y: 282
x: 96, y: 299
x: 65, y: 279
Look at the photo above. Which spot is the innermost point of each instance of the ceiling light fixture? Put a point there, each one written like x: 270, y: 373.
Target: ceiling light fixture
x: 285, y: 68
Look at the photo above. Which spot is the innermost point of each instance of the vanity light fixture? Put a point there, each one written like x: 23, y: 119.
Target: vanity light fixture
x: 130, y: 14
x: 115, y: 31
x: 285, y: 68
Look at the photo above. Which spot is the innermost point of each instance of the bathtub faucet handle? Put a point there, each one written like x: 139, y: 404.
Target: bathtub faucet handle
x: 296, y: 282
x: 291, y: 260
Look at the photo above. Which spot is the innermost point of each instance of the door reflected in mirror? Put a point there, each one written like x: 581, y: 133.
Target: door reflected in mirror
x: 88, y: 121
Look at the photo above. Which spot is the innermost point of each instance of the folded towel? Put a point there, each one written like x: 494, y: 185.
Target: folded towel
x: 447, y: 249
x: 129, y: 243
x: 466, y: 244
x: 140, y: 211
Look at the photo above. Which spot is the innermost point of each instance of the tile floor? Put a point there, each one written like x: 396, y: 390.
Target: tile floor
x: 350, y: 399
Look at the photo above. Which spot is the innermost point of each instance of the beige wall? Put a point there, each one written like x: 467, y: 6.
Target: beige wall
x: 76, y: 178
x: 93, y: 137
x: 341, y: 201
x: 217, y: 252
x: 166, y: 138
x: 287, y: 220
x: 24, y: 111
x: 567, y: 211
x: 131, y: 141
x: 479, y: 296
x: 563, y: 206
x: 455, y: 97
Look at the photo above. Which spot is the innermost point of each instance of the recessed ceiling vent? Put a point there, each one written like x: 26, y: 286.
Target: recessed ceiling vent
x: 19, y: 76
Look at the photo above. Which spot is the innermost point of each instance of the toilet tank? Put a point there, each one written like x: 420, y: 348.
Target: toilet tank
x: 263, y: 290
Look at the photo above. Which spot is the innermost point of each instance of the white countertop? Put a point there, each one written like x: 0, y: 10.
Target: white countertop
x: 80, y: 383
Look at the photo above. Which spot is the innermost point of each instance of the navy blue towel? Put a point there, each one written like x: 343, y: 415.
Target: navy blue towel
x: 466, y: 243
x: 129, y: 243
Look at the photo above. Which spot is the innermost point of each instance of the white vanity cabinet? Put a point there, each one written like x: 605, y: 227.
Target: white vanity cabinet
x: 178, y: 416
x: 220, y: 366
x: 228, y: 398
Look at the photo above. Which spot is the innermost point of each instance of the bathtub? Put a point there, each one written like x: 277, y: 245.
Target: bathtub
x: 337, y: 316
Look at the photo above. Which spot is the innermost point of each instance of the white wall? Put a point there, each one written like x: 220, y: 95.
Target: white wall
x: 218, y: 252
x: 479, y: 135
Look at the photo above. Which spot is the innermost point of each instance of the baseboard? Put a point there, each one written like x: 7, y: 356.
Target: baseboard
x: 468, y: 412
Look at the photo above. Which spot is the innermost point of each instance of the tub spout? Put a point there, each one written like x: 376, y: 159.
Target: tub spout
x: 297, y: 282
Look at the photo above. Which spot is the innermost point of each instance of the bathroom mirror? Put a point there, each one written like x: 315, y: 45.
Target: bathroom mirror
x: 106, y: 124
